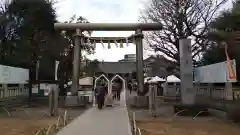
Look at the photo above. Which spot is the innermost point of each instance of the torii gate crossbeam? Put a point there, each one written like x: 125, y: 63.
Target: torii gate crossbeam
x: 108, y: 26
x: 79, y: 40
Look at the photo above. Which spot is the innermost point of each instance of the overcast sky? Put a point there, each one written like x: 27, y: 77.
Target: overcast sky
x: 108, y: 11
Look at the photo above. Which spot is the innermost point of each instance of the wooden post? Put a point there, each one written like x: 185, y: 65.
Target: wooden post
x: 56, y: 91
x: 150, y: 97
x: 5, y: 87
x: 154, y: 95
x: 50, y: 95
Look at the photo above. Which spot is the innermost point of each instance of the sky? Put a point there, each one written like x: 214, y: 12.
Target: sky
x: 107, y: 11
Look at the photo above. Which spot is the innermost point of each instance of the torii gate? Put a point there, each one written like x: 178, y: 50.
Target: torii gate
x: 80, y: 39
x: 187, y: 91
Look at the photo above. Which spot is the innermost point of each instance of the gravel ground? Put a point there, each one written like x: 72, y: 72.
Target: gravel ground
x: 164, y: 124
x: 31, y: 120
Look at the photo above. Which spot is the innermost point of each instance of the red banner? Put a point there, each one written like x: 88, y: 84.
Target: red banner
x: 231, y: 72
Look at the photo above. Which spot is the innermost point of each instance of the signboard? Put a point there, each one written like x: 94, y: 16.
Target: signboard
x: 216, y: 73
x: 35, y: 88
x: 13, y: 75
x: 231, y: 71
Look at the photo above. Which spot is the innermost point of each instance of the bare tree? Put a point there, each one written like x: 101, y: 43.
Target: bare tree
x: 180, y: 19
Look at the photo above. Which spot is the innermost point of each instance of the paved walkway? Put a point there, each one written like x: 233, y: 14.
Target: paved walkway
x: 108, y: 121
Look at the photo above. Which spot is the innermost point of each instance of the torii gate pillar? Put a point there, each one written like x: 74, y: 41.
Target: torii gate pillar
x: 78, y: 37
x: 139, y: 59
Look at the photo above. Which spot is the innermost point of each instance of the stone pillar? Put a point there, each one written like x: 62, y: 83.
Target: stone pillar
x: 76, y: 61
x: 228, y: 91
x: 186, y: 72
x: 152, y: 99
x: 139, y: 59
x: 165, y: 88
x: 150, y: 88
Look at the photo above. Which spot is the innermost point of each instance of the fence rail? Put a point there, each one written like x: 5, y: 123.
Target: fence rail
x: 213, y: 92
x: 13, y: 92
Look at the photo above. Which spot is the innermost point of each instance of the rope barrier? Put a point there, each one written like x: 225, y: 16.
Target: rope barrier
x: 134, y: 124
x: 41, y: 132
x: 53, y: 126
x: 194, y: 118
x: 65, y: 118
x: 9, y: 114
x: 136, y: 130
x: 27, y: 112
x: 58, y: 122
x: 45, y: 113
x: 139, y: 131
x: 178, y: 113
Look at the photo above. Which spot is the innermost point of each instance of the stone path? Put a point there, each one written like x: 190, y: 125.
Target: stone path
x: 108, y: 121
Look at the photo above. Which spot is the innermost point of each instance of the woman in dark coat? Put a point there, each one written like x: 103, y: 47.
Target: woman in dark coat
x: 101, y: 92
x: 130, y: 86
x: 119, y: 88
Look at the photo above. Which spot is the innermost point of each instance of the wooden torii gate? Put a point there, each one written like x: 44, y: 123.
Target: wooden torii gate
x: 80, y: 39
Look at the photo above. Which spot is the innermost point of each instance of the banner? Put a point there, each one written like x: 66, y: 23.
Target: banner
x: 231, y: 72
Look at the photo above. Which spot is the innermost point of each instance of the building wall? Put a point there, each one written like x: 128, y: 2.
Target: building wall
x: 129, y: 57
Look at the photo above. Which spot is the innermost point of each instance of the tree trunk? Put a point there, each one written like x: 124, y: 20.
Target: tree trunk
x: 62, y: 92
x: 30, y: 86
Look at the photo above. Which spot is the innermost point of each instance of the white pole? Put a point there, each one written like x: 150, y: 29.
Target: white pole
x: 56, y: 70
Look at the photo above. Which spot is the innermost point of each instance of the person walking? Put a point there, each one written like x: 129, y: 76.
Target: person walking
x: 101, y: 94
x: 130, y: 86
x: 119, y: 89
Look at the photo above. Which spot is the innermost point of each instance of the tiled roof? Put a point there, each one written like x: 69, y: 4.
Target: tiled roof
x: 156, y: 65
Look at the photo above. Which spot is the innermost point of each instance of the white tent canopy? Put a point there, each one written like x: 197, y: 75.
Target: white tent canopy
x: 173, y: 78
x: 84, y: 81
x: 147, y: 79
x: 156, y: 79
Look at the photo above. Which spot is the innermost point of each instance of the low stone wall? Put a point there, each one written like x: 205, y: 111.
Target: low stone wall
x: 139, y: 101
x: 76, y: 101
